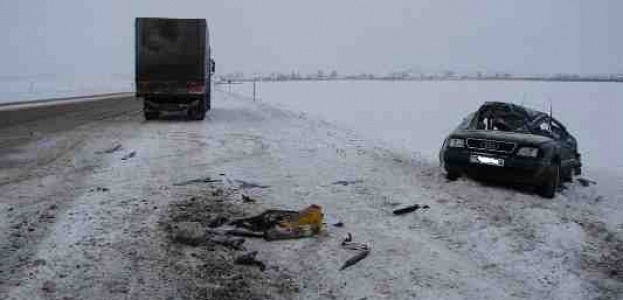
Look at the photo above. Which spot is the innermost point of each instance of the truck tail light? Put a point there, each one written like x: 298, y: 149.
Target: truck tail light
x: 196, y: 87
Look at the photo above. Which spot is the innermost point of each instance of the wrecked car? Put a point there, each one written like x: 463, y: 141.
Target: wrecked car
x: 512, y: 143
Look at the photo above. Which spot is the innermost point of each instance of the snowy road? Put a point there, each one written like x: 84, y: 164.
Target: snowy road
x: 78, y: 222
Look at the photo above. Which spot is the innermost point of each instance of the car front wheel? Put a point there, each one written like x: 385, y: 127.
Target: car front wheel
x: 549, y: 188
x: 452, y: 175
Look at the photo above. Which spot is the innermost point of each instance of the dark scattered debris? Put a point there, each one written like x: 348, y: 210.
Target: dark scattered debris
x: 338, y: 224
x: 363, y: 250
x: 585, y: 182
x: 217, y: 221
x: 250, y: 260
x: 100, y: 189
x: 227, y: 241
x: 129, y: 155
x: 408, y: 209
x: 244, y: 233
x: 346, y: 182
x: 247, y: 199
x: 39, y: 262
x: 112, y: 149
x: 250, y: 185
x: 195, y: 234
x: 199, y: 180
x: 189, y: 233
x: 49, y: 287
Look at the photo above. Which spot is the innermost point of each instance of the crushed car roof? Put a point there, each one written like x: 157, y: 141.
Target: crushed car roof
x: 510, y: 108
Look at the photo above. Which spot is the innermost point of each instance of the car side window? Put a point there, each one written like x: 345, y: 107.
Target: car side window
x: 557, y: 130
x: 548, y: 128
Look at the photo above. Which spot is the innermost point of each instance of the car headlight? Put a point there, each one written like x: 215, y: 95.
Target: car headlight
x: 528, y: 151
x: 456, y: 143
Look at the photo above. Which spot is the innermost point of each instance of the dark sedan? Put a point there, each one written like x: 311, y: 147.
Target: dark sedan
x: 513, y: 143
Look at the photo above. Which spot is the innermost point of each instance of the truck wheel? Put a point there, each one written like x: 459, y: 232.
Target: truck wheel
x: 549, y: 188
x: 151, y: 115
x: 198, y: 113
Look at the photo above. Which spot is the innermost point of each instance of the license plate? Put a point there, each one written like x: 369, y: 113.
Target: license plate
x: 486, y: 160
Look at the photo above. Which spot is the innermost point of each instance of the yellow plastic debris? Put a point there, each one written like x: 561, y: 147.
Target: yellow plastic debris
x: 309, y: 218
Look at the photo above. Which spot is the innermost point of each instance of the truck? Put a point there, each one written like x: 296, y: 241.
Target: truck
x: 173, y: 66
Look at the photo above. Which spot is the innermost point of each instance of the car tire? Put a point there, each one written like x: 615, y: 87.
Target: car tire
x: 151, y: 115
x: 550, y: 187
x: 452, y: 175
x: 567, y: 174
x: 197, y: 113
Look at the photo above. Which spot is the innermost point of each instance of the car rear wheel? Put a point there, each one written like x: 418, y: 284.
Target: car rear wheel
x: 549, y: 188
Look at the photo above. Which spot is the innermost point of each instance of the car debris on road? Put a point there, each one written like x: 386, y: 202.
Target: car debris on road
x: 586, y: 182
x: 408, y: 209
x: 283, y: 224
x: 129, y: 155
x: 250, y: 185
x: 112, y: 149
x: 199, y: 180
x: 195, y: 234
x: 346, y: 182
x: 363, y: 249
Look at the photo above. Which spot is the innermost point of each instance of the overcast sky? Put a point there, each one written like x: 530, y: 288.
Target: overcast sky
x: 86, y: 37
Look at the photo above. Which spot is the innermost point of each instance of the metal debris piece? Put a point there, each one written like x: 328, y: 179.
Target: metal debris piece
x: 249, y: 185
x: 199, y: 180
x: 363, y: 249
x: 585, y: 182
x: 129, y: 155
x: 113, y: 149
x: 265, y: 220
x: 408, y: 209
x: 346, y: 182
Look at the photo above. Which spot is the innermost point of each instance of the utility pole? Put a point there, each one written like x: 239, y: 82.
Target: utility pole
x: 254, y: 81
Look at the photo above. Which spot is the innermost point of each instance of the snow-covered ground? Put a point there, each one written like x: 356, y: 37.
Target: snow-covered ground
x: 475, y: 242
x: 416, y: 116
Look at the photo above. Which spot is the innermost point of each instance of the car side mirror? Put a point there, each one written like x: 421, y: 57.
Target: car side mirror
x: 212, y: 66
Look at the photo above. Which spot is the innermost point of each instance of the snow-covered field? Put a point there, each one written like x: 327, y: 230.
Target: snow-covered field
x: 418, y: 115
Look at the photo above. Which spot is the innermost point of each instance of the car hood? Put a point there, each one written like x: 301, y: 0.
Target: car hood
x: 522, y: 138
